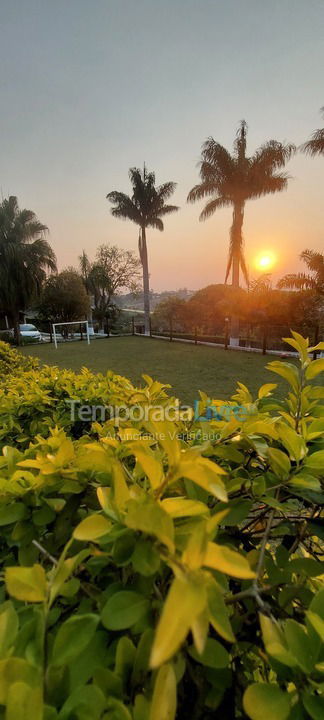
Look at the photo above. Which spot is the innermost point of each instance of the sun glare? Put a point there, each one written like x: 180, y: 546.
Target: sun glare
x: 265, y: 261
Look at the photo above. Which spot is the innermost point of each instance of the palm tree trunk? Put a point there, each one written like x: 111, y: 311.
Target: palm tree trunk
x: 237, y: 242
x: 146, y: 281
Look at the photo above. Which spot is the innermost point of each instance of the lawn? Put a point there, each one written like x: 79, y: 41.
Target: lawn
x: 187, y: 368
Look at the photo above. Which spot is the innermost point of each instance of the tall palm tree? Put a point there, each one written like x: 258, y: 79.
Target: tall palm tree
x: 85, y: 270
x: 315, y: 146
x: 232, y: 179
x: 304, y: 281
x: 25, y: 256
x: 145, y: 207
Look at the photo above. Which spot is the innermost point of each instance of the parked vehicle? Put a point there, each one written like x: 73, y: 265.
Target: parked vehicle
x: 30, y: 332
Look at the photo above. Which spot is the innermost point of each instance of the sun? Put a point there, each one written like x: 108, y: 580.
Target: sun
x: 265, y: 261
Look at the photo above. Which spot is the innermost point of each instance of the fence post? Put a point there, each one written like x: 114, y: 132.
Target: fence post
x: 226, y: 333
x: 81, y: 333
x: 133, y: 326
x: 316, y: 338
x: 264, y: 341
x: 50, y: 332
x: 171, y: 329
x: 196, y: 341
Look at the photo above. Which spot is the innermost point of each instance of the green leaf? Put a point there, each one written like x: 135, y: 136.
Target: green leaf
x: 262, y: 701
x: 214, y: 655
x: 116, y: 710
x: 227, y: 561
x: 237, y: 510
x: 299, y: 644
x: 317, y: 623
x: 164, y: 701
x: 279, y: 463
x: 306, y: 566
x: 8, y: 627
x: 218, y: 614
x: 185, y: 601
x: 72, y: 638
x: 92, y: 528
x: 314, y: 705
x: 12, y: 513
x: 317, y: 604
x: 88, y: 700
x: 148, y: 516
x: 145, y: 558
x: 315, y: 461
x: 123, y: 609
x: 26, y: 583
x: 275, y: 642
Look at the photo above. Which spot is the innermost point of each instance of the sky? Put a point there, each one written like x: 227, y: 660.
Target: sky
x: 90, y: 89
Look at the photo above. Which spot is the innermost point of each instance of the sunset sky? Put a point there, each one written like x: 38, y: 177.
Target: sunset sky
x: 91, y: 88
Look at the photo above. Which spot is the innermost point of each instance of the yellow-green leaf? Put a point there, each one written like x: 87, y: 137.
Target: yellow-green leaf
x: 230, y: 562
x: 185, y: 601
x: 266, y: 389
x: 262, y: 701
x: 286, y: 370
x: 274, y: 641
x: 26, y: 583
x: 92, y: 528
x: 314, y: 368
x: 147, y: 515
x: 203, y: 472
x: 150, y: 465
x: 24, y: 702
x: 279, y: 463
x: 179, y: 507
x: 164, y: 701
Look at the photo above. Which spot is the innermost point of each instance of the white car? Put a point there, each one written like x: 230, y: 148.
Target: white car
x: 30, y: 332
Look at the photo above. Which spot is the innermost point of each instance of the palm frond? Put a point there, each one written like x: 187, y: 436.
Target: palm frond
x: 314, y: 146
x: 214, y: 205
x: 166, y: 190
x: 297, y: 281
x: 156, y: 222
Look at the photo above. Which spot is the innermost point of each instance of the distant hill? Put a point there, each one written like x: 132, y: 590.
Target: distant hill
x: 135, y: 301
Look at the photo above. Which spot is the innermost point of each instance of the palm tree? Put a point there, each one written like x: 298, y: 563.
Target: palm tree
x: 25, y: 256
x: 145, y: 207
x: 315, y: 146
x: 232, y: 179
x: 85, y: 270
x: 304, y: 281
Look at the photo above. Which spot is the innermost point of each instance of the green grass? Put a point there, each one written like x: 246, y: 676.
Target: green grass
x: 187, y: 368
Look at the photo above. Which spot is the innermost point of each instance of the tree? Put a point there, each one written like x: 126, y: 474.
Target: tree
x: 170, y: 312
x: 113, y: 270
x: 315, y: 146
x: 145, y: 207
x: 85, y: 269
x: 25, y: 256
x: 307, y: 281
x: 64, y: 298
x: 231, y: 180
